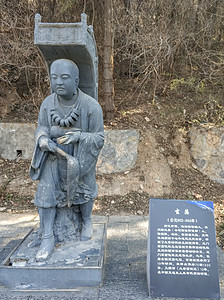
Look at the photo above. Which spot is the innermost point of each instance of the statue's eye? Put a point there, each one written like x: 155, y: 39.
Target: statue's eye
x: 65, y: 76
x: 53, y: 77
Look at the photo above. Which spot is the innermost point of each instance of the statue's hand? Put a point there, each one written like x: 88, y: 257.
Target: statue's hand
x: 69, y: 137
x: 46, y: 144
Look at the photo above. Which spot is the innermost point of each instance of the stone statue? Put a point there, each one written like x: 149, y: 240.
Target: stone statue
x: 68, y: 140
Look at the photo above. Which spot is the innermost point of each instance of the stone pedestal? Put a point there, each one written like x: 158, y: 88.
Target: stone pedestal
x: 72, y: 264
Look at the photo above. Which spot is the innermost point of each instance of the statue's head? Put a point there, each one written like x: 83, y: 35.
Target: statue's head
x: 64, y: 75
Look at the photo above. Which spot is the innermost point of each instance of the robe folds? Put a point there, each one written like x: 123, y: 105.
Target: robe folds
x: 68, y: 179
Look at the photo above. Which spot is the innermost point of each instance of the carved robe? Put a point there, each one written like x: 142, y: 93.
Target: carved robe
x: 69, y: 180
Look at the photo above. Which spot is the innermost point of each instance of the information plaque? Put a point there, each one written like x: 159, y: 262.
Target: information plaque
x: 181, y: 256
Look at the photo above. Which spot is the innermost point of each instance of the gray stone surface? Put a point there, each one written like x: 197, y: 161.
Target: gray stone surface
x: 125, y: 275
x: 119, y: 153
x: 161, y: 259
x: 17, y: 139
x: 74, y: 41
x: 207, y: 150
x: 71, y: 265
x: 73, y: 254
x: 13, y: 228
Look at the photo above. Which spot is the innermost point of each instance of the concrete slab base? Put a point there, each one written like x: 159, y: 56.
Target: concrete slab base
x: 72, y: 265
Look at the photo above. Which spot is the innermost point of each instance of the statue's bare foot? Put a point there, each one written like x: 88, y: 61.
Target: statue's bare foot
x: 87, y: 230
x: 46, y: 248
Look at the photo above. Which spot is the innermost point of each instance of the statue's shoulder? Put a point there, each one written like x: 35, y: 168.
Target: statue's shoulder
x: 48, y: 101
x: 89, y: 101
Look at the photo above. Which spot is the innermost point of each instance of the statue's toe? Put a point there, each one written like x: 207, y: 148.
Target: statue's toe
x: 42, y: 255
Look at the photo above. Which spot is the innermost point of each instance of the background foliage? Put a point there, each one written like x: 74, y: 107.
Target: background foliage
x: 157, y: 44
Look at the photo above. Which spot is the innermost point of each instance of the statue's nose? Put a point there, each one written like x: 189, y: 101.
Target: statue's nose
x: 59, y: 81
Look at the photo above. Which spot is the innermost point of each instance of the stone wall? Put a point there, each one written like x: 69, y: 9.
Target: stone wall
x: 119, y: 153
x: 17, y: 139
x: 129, y: 160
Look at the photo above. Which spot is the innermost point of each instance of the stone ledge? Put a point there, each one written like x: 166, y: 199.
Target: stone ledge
x: 119, y: 153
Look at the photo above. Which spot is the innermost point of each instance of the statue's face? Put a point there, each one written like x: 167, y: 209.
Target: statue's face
x: 64, y: 79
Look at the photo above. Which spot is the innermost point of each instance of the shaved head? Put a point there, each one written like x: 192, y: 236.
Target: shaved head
x: 64, y: 76
x: 67, y: 62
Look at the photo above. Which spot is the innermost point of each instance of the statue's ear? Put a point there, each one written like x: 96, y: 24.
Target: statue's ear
x: 53, y: 91
x: 77, y: 81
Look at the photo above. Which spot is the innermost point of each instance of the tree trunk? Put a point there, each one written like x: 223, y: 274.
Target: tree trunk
x: 108, y: 62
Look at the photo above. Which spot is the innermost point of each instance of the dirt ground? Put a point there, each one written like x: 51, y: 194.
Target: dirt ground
x: 164, y: 112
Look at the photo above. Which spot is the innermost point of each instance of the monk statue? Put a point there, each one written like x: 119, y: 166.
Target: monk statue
x: 68, y: 140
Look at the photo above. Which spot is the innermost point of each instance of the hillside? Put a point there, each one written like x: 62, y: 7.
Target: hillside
x: 168, y: 119
x: 166, y: 79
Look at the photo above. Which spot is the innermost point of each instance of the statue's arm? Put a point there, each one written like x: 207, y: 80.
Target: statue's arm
x: 91, y: 142
x: 95, y: 131
x: 94, y: 134
x: 42, y: 134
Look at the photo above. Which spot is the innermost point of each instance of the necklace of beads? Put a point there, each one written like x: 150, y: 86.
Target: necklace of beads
x: 68, y: 120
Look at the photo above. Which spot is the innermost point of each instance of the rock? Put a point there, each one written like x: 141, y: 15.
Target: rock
x: 17, y: 139
x: 207, y: 150
x: 142, y: 173
x: 119, y: 153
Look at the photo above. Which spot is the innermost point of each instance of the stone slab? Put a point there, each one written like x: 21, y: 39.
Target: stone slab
x: 71, y: 265
x: 74, y: 41
x: 182, y: 254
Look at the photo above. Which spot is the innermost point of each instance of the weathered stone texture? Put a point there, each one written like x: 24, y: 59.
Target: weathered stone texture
x: 207, y: 150
x: 151, y: 173
x: 17, y: 139
x: 119, y: 153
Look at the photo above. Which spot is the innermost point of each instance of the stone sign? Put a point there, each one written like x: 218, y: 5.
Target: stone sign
x: 182, y: 258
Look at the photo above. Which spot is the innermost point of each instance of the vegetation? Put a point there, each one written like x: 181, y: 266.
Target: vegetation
x: 168, y: 62
x: 157, y: 45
